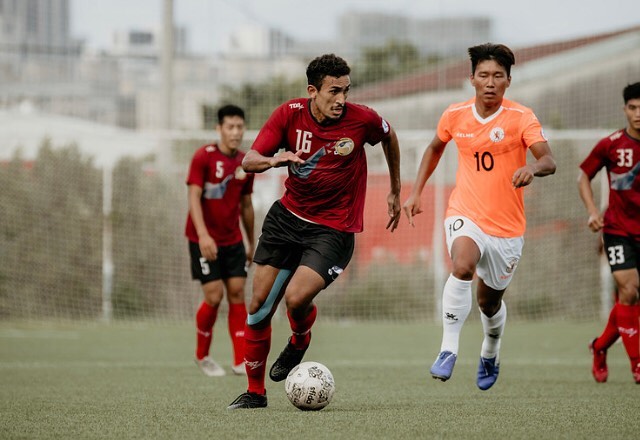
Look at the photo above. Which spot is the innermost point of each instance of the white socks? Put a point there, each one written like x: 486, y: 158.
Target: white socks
x: 456, y: 305
x: 493, y: 328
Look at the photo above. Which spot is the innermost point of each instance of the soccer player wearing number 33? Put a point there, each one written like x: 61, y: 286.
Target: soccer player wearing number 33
x: 619, y: 153
x: 485, y: 220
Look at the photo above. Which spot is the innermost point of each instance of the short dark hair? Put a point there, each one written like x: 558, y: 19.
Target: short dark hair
x: 489, y: 51
x: 632, y: 91
x: 326, y: 65
x: 229, y: 110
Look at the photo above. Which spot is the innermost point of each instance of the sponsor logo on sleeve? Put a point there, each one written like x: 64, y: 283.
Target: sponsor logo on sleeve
x: 385, y: 126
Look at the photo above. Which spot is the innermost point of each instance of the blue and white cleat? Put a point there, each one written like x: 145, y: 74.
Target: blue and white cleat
x: 488, y: 370
x: 442, y: 368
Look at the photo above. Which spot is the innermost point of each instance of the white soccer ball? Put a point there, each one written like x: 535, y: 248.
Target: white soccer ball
x: 310, y: 386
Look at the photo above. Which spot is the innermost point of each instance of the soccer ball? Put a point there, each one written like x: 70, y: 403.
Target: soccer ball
x: 310, y: 386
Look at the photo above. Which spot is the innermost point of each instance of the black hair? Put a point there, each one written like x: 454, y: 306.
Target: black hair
x: 632, y: 91
x: 229, y: 110
x: 326, y: 65
x: 489, y: 51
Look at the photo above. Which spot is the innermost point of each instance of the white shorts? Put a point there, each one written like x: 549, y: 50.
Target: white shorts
x: 499, y: 256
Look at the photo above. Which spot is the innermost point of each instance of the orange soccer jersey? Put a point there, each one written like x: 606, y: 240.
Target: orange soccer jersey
x: 490, y: 150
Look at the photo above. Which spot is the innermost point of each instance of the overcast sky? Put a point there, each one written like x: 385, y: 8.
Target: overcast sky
x: 515, y: 22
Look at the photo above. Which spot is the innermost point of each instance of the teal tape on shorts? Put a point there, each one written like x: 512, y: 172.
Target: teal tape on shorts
x: 265, y: 309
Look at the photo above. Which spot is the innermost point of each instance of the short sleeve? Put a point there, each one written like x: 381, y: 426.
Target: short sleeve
x: 272, y: 132
x: 443, y: 130
x: 532, y: 132
x: 247, y: 188
x: 596, y: 159
x: 197, y: 169
x: 379, y: 128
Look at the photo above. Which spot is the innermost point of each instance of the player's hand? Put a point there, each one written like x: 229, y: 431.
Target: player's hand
x: 208, y: 248
x: 285, y: 158
x: 393, y: 202
x: 412, y: 207
x: 595, y: 222
x: 523, y: 176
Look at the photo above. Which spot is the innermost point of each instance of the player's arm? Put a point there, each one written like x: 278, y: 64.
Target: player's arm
x: 254, y: 162
x: 428, y: 164
x: 248, y: 218
x: 595, y: 222
x: 208, y: 247
x: 391, y: 148
x: 544, y: 165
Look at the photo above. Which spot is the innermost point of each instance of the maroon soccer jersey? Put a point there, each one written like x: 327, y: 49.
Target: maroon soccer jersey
x: 223, y: 184
x: 619, y: 153
x: 330, y: 187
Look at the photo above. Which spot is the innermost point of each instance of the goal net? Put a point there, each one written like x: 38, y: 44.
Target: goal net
x: 79, y: 241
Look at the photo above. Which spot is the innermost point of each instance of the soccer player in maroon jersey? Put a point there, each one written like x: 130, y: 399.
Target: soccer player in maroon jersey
x: 308, y: 235
x: 219, y: 195
x: 619, y: 153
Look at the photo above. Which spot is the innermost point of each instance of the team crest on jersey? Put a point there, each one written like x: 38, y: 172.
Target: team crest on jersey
x: 497, y: 134
x: 343, y: 147
x: 240, y: 174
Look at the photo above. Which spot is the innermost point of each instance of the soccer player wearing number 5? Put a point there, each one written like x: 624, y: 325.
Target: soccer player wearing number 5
x: 219, y: 197
x: 307, y: 236
x: 619, y: 154
x: 485, y: 219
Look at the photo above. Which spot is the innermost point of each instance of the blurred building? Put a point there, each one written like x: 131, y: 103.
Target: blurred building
x: 255, y: 53
x: 441, y: 36
x: 42, y: 65
x: 575, y: 83
x: 259, y: 41
x: 37, y: 52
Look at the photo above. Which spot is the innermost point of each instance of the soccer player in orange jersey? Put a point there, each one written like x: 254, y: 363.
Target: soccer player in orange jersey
x: 485, y: 220
x: 619, y: 154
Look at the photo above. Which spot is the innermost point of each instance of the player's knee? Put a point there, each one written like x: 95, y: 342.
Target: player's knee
x: 488, y: 306
x: 628, y: 293
x: 297, y: 304
x: 212, y: 294
x: 463, y: 270
x: 235, y: 296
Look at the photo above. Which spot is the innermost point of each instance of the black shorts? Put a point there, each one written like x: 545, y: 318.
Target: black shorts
x: 622, y: 252
x: 231, y: 262
x: 287, y: 242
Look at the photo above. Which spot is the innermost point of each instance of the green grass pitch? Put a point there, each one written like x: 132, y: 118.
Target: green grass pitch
x: 124, y: 380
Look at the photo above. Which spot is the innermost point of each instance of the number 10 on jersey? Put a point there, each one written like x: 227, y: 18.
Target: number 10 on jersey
x: 484, y: 161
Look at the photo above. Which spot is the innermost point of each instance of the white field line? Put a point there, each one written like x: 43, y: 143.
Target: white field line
x: 39, y: 334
